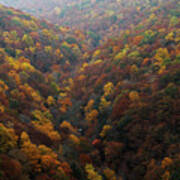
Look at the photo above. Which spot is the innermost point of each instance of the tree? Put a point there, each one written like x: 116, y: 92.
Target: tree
x: 28, y: 40
x: 3, y: 87
x: 110, y: 174
x: 50, y: 100
x: 120, y: 55
x: 104, y: 104
x: 91, y: 116
x: 162, y: 55
x: 74, y: 139
x: 65, y: 104
x: 166, y: 162
x: 113, y: 152
x: 11, y: 169
x: 67, y: 125
x: 96, y: 53
x: 108, y: 89
x: 48, y: 162
x: 44, y: 124
x: 134, y: 96
x: 105, y: 130
x: 8, y: 139
x: 92, y: 174
x: 31, y: 151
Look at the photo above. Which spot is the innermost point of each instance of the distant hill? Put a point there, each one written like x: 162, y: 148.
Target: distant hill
x: 99, y: 19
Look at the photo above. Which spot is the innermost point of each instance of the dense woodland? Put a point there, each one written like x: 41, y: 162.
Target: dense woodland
x: 93, y: 99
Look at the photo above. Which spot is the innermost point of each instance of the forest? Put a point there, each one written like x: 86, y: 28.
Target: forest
x: 90, y: 90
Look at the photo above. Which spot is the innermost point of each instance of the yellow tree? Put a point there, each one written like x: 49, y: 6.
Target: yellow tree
x: 96, y: 53
x: 108, y: 89
x: 50, y: 100
x: 28, y: 40
x: 120, y: 55
x: 31, y: 151
x: 8, y: 139
x: 105, y: 130
x: 161, y: 56
x: 104, y: 104
x: 91, y: 116
x: 91, y: 173
x: 170, y: 36
x: 44, y: 124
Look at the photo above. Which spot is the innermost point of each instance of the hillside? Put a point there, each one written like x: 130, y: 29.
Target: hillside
x: 97, y: 19
x: 34, y: 57
x: 74, y: 109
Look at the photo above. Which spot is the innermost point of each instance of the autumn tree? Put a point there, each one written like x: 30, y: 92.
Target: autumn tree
x: 91, y: 173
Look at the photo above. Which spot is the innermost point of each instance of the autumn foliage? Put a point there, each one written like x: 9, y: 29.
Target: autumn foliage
x: 99, y: 99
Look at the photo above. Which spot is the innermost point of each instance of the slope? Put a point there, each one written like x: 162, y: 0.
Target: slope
x: 98, y: 19
x: 34, y: 58
x: 109, y: 113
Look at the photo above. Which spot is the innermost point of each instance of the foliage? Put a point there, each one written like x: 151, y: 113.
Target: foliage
x: 97, y: 97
